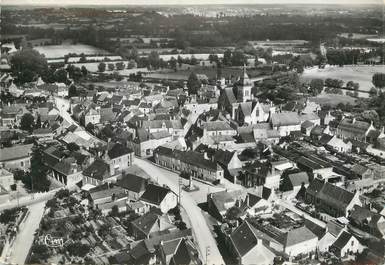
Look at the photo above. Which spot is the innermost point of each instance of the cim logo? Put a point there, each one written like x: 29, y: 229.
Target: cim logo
x: 51, y: 241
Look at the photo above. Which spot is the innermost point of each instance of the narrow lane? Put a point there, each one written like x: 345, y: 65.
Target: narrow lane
x: 25, y: 237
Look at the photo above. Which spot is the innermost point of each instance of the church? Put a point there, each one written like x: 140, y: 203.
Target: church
x: 239, y: 102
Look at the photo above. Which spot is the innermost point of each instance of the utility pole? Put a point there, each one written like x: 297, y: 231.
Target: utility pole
x: 180, y: 183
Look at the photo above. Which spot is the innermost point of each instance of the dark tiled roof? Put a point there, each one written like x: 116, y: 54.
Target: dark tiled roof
x: 146, y: 222
x: 298, y: 235
x: 118, y: 150
x: 352, y: 126
x: 243, y: 238
x: 315, y: 228
x: 155, y: 194
x: 132, y: 183
x: 335, y: 196
x: 97, y: 169
x: 342, y: 240
x: 297, y: 179
x: 315, y: 186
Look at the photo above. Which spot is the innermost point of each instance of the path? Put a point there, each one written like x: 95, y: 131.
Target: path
x: 198, y: 223
x: 25, y: 237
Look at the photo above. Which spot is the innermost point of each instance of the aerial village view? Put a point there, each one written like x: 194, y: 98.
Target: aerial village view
x: 192, y: 133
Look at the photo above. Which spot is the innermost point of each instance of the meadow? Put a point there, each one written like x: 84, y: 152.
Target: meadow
x: 59, y: 51
x: 360, y: 74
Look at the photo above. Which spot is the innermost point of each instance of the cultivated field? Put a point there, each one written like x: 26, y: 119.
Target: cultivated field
x: 361, y: 74
x: 332, y: 99
x: 59, y: 51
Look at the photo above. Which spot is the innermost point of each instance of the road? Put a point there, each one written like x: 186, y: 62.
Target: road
x: 201, y: 230
x: 25, y: 237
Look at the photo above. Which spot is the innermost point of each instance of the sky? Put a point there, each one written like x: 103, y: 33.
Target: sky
x: 182, y: 2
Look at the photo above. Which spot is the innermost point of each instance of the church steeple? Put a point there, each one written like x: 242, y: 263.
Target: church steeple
x: 244, y: 86
x: 244, y: 80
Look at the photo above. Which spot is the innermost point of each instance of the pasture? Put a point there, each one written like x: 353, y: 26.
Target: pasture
x: 360, y: 74
x: 59, y: 51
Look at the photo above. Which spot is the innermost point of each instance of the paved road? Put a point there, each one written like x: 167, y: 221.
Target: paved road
x: 24, y: 238
x: 201, y: 230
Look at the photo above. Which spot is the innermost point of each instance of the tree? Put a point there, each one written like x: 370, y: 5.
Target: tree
x: 173, y: 63
x: 227, y: 57
x: 73, y: 147
x: 27, y: 65
x: 38, y: 175
x: 238, y: 58
x: 27, y: 122
x: 83, y: 58
x: 373, y: 92
x: 316, y: 86
x: 102, y: 67
x: 72, y: 91
x: 111, y: 67
x: 154, y: 60
x: 233, y: 213
x: 131, y: 64
x: 193, y: 84
x: 378, y: 80
x: 38, y: 122
x: 84, y: 70
x: 120, y: 66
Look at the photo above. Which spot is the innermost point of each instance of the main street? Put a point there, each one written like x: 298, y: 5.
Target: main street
x: 25, y: 236
x: 201, y: 230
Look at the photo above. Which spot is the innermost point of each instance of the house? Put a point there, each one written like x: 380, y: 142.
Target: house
x: 339, y: 144
x: 98, y: 173
x: 217, y: 128
x: 285, y: 122
x: 16, y: 157
x: 149, y: 225
x: 106, y: 208
x: 362, y: 172
x: 160, y: 197
x: 353, y: 129
x: 346, y: 244
x: 300, y: 241
x: 105, y: 194
x: 145, y: 142
x: 196, y: 164
x: 179, y: 251
x: 91, y: 114
x: 43, y: 134
x: 120, y: 156
x: 367, y: 220
x: 220, y: 202
x: 6, y: 179
x: 258, y: 200
x: 173, y: 127
x: 245, y: 245
x: 306, y: 127
x: 331, y: 199
x: 329, y: 234
x: 295, y: 181
x: 134, y: 185
x: 138, y: 208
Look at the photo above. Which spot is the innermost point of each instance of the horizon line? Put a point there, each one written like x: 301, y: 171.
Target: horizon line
x: 182, y: 4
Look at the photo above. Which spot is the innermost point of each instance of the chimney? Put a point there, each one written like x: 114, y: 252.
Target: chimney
x: 354, y: 120
x: 248, y: 200
x: 205, y: 155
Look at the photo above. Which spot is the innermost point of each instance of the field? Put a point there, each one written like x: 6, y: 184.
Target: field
x: 58, y: 51
x: 361, y: 74
x: 332, y: 99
